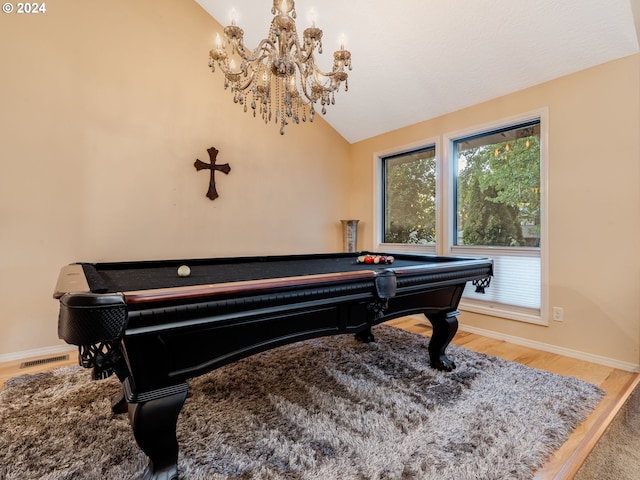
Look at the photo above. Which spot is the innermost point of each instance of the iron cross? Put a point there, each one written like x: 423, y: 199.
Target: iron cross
x: 212, y: 193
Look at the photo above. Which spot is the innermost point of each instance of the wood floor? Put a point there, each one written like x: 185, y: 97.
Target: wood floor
x: 566, y: 461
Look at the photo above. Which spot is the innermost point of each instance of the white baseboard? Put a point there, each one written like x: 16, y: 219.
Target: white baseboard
x: 545, y: 347
x: 38, y: 352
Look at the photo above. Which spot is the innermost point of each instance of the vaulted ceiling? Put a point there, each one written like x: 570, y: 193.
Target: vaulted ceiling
x: 418, y: 59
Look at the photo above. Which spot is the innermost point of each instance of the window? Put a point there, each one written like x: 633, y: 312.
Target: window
x: 497, y: 212
x: 498, y: 187
x: 481, y: 195
x: 409, y: 191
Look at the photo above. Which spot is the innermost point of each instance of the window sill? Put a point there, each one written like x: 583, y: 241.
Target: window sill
x: 504, y: 311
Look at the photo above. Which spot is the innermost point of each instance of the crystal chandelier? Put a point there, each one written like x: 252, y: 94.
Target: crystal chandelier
x: 281, y: 74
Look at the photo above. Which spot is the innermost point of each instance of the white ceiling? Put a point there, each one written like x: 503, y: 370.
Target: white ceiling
x: 418, y: 59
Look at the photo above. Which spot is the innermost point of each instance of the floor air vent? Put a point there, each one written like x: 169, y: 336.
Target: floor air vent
x: 42, y: 361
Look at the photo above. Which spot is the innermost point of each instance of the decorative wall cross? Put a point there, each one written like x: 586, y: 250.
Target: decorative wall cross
x: 212, y: 193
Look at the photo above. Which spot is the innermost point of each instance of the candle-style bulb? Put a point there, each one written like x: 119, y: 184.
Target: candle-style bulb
x: 234, y: 17
x: 218, y: 41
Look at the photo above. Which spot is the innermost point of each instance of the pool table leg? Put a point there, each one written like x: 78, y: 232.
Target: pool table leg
x: 445, y: 326
x: 154, y: 428
x: 365, y: 336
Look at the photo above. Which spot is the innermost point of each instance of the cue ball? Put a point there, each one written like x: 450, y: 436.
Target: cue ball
x: 184, y: 271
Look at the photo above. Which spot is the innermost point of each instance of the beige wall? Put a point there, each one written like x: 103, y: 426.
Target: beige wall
x: 594, y: 203
x: 104, y: 108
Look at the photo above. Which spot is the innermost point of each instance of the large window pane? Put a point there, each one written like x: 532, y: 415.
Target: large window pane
x: 409, y: 181
x: 498, y: 187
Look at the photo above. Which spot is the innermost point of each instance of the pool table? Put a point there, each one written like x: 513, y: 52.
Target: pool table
x: 155, y: 329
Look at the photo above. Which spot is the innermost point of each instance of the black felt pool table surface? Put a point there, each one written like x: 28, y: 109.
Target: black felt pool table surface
x: 147, y: 275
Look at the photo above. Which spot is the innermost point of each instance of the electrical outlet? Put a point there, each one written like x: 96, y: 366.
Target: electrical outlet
x: 558, y: 314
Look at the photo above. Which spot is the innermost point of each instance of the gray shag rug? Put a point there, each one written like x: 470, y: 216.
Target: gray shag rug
x: 329, y: 408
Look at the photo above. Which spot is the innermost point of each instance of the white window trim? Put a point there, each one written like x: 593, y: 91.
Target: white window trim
x: 377, y: 194
x: 377, y: 197
x: 541, y: 317
x: 445, y: 206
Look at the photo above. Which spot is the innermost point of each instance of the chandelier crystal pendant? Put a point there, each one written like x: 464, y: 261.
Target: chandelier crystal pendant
x: 281, y: 74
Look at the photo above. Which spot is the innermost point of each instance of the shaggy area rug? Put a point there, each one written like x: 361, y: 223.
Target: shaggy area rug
x: 329, y: 408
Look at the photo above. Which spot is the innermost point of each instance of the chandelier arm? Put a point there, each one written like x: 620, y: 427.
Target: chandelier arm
x: 329, y: 74
x: 249, y: 61
x: 226, y: 70
x: 235, y: 77
x: 303, y: 86
x: 317, y: 71
x: 306, y: 54
x: 242, y: 87
x: 260, y: 52
x: 303, y: 83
